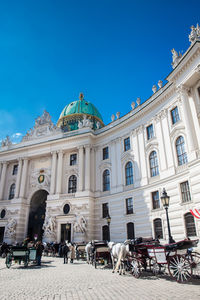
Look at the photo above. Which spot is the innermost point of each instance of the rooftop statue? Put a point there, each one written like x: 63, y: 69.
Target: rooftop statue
x: 175, y: 58
x: 194, y: 34
x: 6, y: 142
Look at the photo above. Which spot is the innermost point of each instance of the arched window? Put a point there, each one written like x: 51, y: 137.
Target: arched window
x: 129, y: 173
x: 72, y: 184
x: 105, y: 233
x: 106, y: 180
x: 158, y: 229
x: 153, y: 162
x: 190, y: 225
x: 130, y: 230
x: 180, y: 150
x: 12, y: 191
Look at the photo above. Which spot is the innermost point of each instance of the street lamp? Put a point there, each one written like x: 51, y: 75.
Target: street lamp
x: 108, y: 218
x: 67, y: 226
x: 165, y: 201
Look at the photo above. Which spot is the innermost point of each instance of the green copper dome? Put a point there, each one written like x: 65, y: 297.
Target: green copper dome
x: 74, y: 113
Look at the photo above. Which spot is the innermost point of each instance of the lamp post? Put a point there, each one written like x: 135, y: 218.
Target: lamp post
x: 108, y: 218
x: 165, y: 201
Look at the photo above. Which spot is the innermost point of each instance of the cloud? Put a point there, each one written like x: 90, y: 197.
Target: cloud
x: 16, y: 135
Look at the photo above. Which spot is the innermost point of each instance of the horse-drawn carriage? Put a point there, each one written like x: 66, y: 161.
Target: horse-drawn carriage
x: 155, y: 257
x: 100, y: 253
x: 80, y: 251
x: 20, y: 254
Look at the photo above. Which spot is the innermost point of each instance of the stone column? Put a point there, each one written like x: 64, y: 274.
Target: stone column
x: 160, y: 138
x: 142, y: 154
x: 137, y: 167
x: 59, y: 172
x: 1, y: 165
x: 24, y: 178
x: 53, y: 172
x: 93, y: 169
x: 188, y: 121
x: 81, y: 167
x: 18, y: 178
x: 3, y: 178
x: 112, y: 155
x: 87, y: 168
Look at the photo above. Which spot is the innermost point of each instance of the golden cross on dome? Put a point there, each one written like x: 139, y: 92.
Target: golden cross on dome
x: 81, y: 96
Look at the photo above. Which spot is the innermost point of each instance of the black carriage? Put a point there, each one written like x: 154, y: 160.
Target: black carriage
x: 100, y: 253
x: 80, y: 251
x: 21, y: 255
x: 151, y: 255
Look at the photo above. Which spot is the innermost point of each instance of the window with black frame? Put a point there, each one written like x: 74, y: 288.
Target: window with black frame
x: 129, y: 206
x: 12, y: 191
x: 129, y: 173
x: 127, y: 145
x: 155, y: 200
x: 175, y: 115
x: 73, y: 159
x: 185, y: 192
x: 105, y: 210
x: 190, y: 225
x: 105, y: 153
x: 153, y: 162
x: 181, y: 152
x: 72, y: 184
x: 158, y: 228
x: 15, y: 169
x: 150, y: 133
x: 130, y: 231
x: 106, y: 180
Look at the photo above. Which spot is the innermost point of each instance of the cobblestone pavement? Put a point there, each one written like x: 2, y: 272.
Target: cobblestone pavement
x: 54, y: 280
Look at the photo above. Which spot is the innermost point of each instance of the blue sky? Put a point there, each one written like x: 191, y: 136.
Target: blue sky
x: 111, y: 50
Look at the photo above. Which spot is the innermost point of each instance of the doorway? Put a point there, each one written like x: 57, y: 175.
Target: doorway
x: 65, y: 232
x: 37, y: 215
x: 2, y: 229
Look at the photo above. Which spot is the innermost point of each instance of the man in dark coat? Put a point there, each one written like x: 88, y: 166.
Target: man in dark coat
x: 39, y: 250
x: 65, y: 251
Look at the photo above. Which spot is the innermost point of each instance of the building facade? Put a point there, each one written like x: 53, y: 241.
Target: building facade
x: 62, y: 182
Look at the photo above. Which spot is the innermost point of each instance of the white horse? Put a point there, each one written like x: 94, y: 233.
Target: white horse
x: 114, y: 252
x: 88, y: 249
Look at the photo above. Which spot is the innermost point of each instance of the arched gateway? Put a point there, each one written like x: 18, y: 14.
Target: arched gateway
x: 37, y: 214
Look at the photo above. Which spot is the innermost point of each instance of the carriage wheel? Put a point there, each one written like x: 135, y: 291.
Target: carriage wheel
x: 194, y: 260
x: 8, y: 261
x: 135, y: 268
x: 180, y: 268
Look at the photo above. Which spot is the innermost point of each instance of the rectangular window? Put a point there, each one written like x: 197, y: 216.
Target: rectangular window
x: 127, y: 145
x: 104, y: 210
x: 129, y: 206
x: 105, y: 153
x: 73, y: 159
x: 175, y: 115
x: 185, y: 192
x: 155, y: 200
x: 150, y: 133
x: 15, y: 169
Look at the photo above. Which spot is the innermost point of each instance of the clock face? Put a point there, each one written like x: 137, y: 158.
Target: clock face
x: 41, y: 178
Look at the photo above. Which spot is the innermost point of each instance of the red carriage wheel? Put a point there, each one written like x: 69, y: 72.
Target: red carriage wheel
x: 180, y: 268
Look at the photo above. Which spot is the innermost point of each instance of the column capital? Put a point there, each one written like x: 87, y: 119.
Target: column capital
x: 25, y: 158
x: 87, y: 146
x: 183, y: 90
x: 80, y: 147
x: 197, y: 69
x: 53, y: 152
x: 60, y: 152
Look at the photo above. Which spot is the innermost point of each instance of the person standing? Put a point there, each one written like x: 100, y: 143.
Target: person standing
x: 65, y: 251
x: 39, y: 250
x: 72, y: 253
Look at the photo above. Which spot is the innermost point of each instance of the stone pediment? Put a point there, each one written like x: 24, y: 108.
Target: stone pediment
x: 43, y: 127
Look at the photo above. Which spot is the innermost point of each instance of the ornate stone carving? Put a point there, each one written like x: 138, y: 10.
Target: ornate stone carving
x: 7, y: 142
x: 194, y: 34
x: 85, y: 123
x: 49, y: 226
x: 10, y: 230
x: 175, y: 58
x: 80, y: 225
x: 183, y: 90
x: 43, y: 127
x: 34, y: 182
